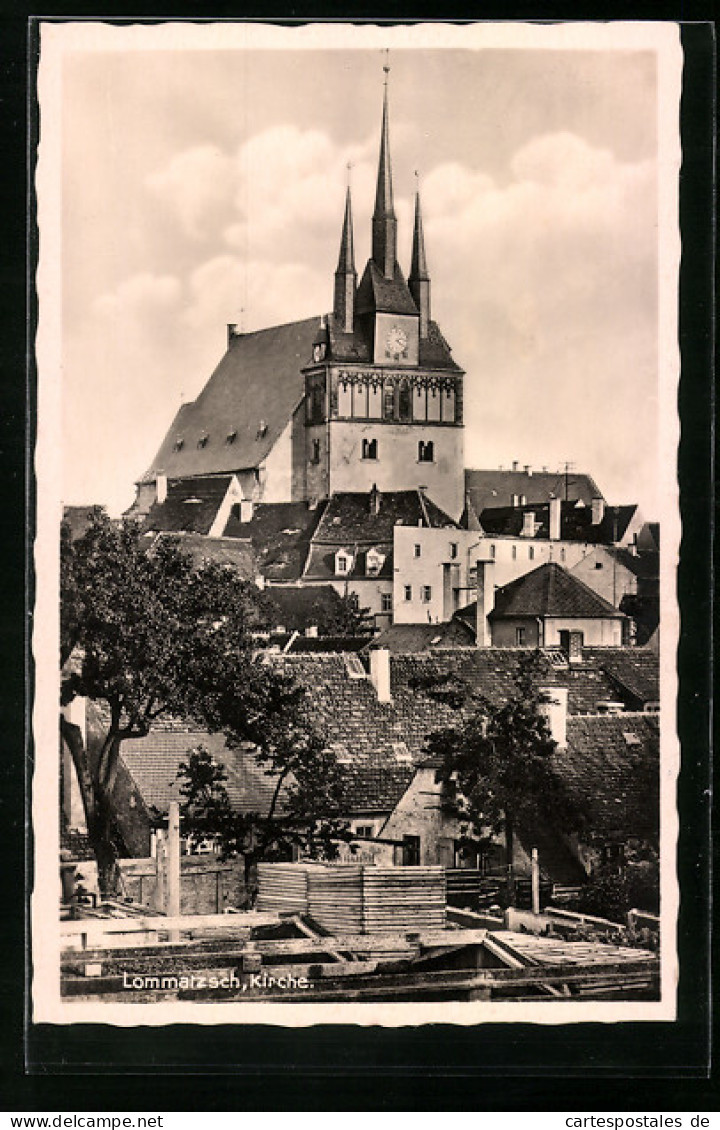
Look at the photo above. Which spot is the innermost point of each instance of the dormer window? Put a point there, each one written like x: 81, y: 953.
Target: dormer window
x: 231, y: 437
x: 426, y: 451
x: 374, y: 562
x: 262, y: 429
x: 203, y: 441
x: 343, y: 562
x: 319, y: 351
x: 179, y: 444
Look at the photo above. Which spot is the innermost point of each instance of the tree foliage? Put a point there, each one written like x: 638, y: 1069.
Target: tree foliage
x: 146, y: 633
x: 303, y: 812
x: 496, y: 765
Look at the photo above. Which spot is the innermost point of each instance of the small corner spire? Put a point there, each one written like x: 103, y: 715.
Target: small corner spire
x: 345, y: 274
x: 419, y: 279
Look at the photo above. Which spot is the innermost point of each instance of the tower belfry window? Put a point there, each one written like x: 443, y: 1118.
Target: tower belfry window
x: 426, y: 451
x: 369, y: 449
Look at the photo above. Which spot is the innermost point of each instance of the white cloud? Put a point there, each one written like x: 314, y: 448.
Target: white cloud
x: 197, y: 184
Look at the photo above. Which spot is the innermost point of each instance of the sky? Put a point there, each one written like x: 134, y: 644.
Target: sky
x: 201, y: 187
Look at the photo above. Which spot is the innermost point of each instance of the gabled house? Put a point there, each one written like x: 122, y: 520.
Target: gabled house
x: 352, y: 546
x: 548, y: 607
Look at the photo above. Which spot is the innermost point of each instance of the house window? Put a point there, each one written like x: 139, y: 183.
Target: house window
x: 343, y: 562
x: 453, y: 549
x: 386, y: 602
x: 202, y: 442
x: 513, y: 553
x: 531, y: 552
x: 426, y: 451
x: 408, y: 592
x: 179, y: 443
x: 231, y: 437
x: 370, y: 449
x: 426, y: 594
x: 365, y: 830
x: 598, y: 564
x: 492, y: 552
x: 562, y: 554
x: 520, y: 637
x: 315, y: 457
x: 341, y: 565
x: 411, y: 851
x: 417, y: 550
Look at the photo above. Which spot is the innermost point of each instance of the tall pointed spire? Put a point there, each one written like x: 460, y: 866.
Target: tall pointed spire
x: 419, y: 279
x: 345, y: 275
x: 384, y: 223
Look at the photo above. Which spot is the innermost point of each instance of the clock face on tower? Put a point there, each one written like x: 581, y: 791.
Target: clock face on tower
x: 396, y: 342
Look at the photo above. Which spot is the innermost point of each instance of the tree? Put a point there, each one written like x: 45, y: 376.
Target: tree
x: 144, y: 633
x: 302, y: 812
x: 496, y: 764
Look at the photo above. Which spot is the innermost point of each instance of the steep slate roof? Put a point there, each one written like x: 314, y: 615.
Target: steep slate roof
x: 496, y: 488
x: 280, y: 534
x: 153, y: 764
x: 575, y: 522
x: 612, y: 766
x: 550, y: 590
x: 191, y: 505
x: 259, y: 380
x: 376, y: 293
x: 348, y: 519
x: 356, y: 347
x: 321, y: 562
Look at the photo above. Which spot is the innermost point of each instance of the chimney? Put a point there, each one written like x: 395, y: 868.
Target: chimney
x: 380, y: 673
x: 555, y: 508
x: 515, y: 465
x: 374, y: 500
x: 161, y: 486
x: 554, y: 710
x: 233, y: 332
x: 485, y: 601
x: 598, y: 511
x: 528, y: 470
x: 246, y: 510
x: 528, y: 526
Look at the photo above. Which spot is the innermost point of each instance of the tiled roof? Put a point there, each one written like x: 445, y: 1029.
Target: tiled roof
x: 612, y: 767
x: 280, y: 533
x: 645, y: 566
x: 575, y: 522
x: 321, y: 562
x: 153, y: 764
x: 550, y: 590
x: 496, y: 488
x: 78, y: 519
x: 348, y: 517
x: 633, y: 670
x: 223, y: 551
x: 251, y: 396
x: 303, y: 606
x: 191, y: 505
x: 412, y: 638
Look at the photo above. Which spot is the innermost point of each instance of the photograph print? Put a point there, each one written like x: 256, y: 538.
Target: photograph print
x: 357, y: 441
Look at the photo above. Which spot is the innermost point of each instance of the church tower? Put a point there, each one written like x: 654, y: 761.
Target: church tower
x: 383, y: 393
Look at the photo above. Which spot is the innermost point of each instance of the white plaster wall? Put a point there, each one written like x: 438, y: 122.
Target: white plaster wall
x: 612, y: 581
x: 276, y: 473
x: 397, y: 466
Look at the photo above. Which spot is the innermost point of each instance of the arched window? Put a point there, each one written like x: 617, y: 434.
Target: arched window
x: 369, y: 449
x: 426, y: 451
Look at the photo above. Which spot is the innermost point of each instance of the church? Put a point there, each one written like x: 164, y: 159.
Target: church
x: 329, y: 452
x: 367, y: 395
